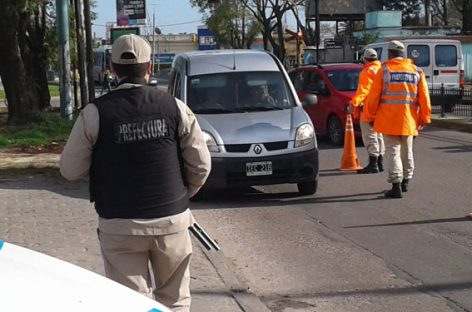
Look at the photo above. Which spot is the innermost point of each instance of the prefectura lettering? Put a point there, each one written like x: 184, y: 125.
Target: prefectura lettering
x: 138, y: 131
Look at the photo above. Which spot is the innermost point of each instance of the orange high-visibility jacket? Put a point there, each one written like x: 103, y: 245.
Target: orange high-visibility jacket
x: 365, y: 81
x: 398, y: 101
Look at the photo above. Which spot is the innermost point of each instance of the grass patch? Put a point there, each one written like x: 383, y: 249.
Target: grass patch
x: 53, y: 91
x: 48, y: 127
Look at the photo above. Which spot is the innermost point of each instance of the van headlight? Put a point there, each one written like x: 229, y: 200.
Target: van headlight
x: 305, y: 135
x: 211, y: 142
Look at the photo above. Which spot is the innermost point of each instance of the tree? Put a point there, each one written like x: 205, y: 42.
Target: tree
x: 23, y: 58
x: 465, y: 9
x: 232, y: 26
x: 267, y: 13
x: 411, y: 10
x: 270, y: 14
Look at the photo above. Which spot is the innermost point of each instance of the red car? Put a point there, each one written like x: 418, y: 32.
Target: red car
x: 334, y: 85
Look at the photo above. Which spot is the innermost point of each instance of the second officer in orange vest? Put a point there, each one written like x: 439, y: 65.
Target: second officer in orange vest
x: 399, y: 105
x: 373, y: 141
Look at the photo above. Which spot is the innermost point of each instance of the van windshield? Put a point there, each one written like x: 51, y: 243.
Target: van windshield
x: 238, y: 92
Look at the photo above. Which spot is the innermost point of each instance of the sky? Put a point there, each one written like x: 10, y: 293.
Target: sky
x: 171, y: 16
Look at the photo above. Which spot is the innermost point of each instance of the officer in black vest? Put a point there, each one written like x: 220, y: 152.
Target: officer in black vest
x: 146, y: 156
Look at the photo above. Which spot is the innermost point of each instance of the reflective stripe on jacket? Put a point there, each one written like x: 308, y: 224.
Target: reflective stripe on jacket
x: 399, y: 101
x: 365, y: 81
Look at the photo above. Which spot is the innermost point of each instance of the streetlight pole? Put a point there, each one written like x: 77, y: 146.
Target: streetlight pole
x: 64, y: 58
x: 153, y: 38
x: 317, y: 34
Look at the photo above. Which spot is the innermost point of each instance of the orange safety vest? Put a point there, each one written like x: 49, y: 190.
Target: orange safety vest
x: 399, y: 101
x: 365, y: 81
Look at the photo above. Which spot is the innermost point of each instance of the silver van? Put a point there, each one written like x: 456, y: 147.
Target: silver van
x: 256, y: 128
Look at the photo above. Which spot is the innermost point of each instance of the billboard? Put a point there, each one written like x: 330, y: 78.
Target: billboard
x: 331, y: 9
x: 117, y: 32
x: 206, y: 39
x: 130, y: 12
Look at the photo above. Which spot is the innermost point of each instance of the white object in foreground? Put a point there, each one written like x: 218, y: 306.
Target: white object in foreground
x: 33, y: 281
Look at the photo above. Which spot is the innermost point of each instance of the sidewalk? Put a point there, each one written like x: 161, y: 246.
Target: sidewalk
x: 453, y: 122
x: 44, y: 212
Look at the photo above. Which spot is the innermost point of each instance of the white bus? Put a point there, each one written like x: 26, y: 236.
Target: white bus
x: 101, y: 62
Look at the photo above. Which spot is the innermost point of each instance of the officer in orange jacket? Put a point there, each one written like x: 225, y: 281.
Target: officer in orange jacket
x: 399, y: 106
x: 373, y: 141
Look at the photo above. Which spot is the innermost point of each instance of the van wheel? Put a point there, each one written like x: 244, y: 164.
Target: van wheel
x: 307, y: 188
x: 335, y: 131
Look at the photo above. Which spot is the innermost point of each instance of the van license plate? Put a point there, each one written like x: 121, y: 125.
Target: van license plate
x: 258, y: 168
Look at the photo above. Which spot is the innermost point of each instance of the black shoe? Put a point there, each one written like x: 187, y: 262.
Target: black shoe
x: 372, y: 167
x: 395, y: 192
x: 405, y: 185
x: 380, y: 163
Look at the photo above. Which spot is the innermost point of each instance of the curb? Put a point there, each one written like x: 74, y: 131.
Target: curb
x: 26, y: 161
x: 247, y: 300
x: 459, y: 124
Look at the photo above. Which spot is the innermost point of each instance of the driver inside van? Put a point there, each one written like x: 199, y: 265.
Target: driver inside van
x: 259, y: 97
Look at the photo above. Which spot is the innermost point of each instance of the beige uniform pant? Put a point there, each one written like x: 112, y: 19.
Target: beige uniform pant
x: 373, y: 141
x: 131, y: 259
x: 400, y: 163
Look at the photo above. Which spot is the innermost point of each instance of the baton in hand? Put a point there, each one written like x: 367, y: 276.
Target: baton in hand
x: 203, y: 237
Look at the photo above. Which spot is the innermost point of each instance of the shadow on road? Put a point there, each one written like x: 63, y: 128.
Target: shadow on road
x: 431, y: 221
x: 43, y: 179
x: 397, y: 291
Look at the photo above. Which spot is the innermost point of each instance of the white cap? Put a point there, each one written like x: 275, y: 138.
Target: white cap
x: 130, y: 45
x: 370, y: 54
x: 396, y: 45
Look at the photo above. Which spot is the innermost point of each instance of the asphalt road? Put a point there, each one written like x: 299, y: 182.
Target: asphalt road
x: 347, y: 248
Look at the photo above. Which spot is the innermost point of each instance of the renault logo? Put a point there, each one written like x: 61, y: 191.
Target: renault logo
x: 257, y: 149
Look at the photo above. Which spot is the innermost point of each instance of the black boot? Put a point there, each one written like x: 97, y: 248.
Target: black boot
x: 405, y: 185
x: 372, y: 167
x: 380, y: 163
x: 395, y: 192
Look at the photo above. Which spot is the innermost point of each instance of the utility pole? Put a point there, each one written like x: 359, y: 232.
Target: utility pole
x: 317, y: 31
x: 79, y: 22
x: 153, y: 39
x: 89, y: 50
x: 64, y: 58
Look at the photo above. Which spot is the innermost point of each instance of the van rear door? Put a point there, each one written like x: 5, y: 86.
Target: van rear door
x: 446, y: 69
x: 421, y: 56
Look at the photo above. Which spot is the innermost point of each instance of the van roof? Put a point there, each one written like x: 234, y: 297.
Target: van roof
x: 411, y: 40
x: 220, y: 61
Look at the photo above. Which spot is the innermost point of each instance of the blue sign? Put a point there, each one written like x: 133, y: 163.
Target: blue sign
x: 206, y: 39
x: 164, y: 58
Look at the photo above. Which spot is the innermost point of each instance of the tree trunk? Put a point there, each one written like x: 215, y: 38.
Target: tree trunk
x: 22, y: 64
x: 18, y: 90
x: 32, y: 47
x: 466, y: 20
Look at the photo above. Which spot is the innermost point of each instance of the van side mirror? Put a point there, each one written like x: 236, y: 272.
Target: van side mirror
x: 310, y: 99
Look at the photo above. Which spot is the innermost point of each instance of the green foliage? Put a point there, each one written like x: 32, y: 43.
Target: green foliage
x: 47, y: 127
x: 366, y: 38
x: 411, y: 10
x: 53, y: 91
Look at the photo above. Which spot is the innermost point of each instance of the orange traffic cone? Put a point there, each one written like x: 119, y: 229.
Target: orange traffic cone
x: 349, y: 160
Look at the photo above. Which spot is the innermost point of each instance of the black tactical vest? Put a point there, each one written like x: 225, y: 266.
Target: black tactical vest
x: 137, y: 170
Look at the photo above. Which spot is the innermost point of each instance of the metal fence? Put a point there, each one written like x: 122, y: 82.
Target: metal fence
x: 451, y: 101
